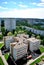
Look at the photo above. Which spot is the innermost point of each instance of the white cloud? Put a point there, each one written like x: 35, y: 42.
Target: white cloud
x: 22, y: 5
x: 24, y: 13
x: 42, y: 0
x: 13, y: 2
x: 3, y: 7
x: 40, y: 4
x: 5, y: 2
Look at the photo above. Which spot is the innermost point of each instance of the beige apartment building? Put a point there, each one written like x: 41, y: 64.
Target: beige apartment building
x: 33, y: 44
x: 18, y: 50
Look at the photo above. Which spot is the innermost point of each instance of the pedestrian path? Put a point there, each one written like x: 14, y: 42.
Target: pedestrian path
x: 1, y: 41
x: 30, y: 61
x: 3, y: 58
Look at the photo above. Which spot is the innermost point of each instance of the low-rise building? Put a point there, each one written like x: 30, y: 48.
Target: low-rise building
x: 18, y: 50
x: 33, y: 44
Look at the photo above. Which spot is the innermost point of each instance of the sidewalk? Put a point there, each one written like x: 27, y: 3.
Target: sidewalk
x: 3, y: 58
x: 1, y: 41
x: 30, y: 61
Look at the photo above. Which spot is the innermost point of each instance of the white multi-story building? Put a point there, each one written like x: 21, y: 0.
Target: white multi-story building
x: 8, y: 23
x: 7, y: 41
x: 18, y: 50
x: 33, y: 44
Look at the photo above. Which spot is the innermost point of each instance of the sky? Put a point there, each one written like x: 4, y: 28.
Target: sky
x: 22, y: 8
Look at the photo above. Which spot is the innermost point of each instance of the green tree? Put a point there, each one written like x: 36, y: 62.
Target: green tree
x: 33, y: 35
x: 15, y: 33
x: 38, y: 37
x: 42, y: 42
x: 9, y: 34
x: 3, y: 30
x: 1, y: 36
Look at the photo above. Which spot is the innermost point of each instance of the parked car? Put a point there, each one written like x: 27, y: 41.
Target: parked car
x: 29, y: 57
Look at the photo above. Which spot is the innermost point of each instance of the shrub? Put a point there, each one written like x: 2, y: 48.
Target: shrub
x: 33, y: 35
x: 3, y: 30
x: 9, y: 33
x: 38, y: 37
x: 42, y: 42
x: 15, y: 33
x: 1, y: 36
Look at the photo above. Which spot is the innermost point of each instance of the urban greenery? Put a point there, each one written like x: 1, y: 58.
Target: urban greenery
x: 3, y: 30
x: 1, y: 62
x: 37, y: 61
x: 1, y: 36
x: 25, y: 23
x: 41, y: 49
x: 7, y: 56
x: 19, y: 30
x: 9, y: 34
x: 1, y: 45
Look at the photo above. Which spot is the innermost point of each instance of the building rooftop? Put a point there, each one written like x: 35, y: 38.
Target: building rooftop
x: 13, y: 44
x: 8, y: 37
x: 23, y: 35
x: 33, y: 39
x: 16, y: 39
x: 18, y: 45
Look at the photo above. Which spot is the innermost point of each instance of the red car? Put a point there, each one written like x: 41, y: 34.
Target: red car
x: 29, y: 57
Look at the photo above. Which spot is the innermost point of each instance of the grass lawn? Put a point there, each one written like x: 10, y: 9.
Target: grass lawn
x: 1, y: 45
x: 1, y: 62
x: 37, y: 61
x: 42, y: 49
x: 6, y: 56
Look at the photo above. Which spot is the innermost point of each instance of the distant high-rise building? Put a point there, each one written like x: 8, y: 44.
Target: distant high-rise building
x: 8, y: 23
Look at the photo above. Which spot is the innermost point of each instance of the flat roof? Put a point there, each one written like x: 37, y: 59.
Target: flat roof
x: 8, y: 37
x: 19, y: 45
x: 33, y: 39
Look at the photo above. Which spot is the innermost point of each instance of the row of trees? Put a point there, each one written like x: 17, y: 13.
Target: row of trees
x: 36, y: 26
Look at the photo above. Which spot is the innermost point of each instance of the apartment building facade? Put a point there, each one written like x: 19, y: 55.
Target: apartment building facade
x: 18, y: 50
x: 33, y: 44
x: 8, y: 23
x: 7, y: 41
